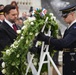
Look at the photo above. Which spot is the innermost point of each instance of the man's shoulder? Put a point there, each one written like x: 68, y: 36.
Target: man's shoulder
x: 73, y: 26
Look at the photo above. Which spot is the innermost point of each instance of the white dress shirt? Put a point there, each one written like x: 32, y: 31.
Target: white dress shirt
x: 9, y: 23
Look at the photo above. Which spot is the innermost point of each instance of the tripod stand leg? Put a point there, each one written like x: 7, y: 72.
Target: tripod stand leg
x: 41, y: 63
x: 53, y: 64
x: 30, y: 65
x: 49, y: 67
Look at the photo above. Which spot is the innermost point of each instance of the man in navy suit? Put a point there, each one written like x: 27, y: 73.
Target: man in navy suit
x: 7, y: 32
x: 68, y: 42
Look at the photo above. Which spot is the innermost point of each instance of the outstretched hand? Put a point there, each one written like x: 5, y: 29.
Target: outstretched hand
x: 42, y: 37
x: 35, y: 50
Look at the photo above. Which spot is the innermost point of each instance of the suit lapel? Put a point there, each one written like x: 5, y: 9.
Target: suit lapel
x: 67, y: 30
x: 12, y: 34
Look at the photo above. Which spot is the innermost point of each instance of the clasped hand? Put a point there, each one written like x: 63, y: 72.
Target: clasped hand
x: 42, y: 37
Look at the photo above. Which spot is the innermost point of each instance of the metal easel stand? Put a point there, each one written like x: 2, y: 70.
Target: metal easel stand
x: 42, y: 57
x: 49, y: 58
x: 30, y: 57
x: 30, y: 65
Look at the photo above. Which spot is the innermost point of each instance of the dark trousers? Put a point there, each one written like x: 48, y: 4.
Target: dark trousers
x: 55, y: 58
x: 69, y: 63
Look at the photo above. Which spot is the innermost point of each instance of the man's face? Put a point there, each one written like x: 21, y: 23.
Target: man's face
x: 69, y: 18
x: 2, y: 17
x: 12, y: 16
x: 1, y: 7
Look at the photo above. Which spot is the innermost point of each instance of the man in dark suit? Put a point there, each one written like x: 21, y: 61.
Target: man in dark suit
x: 1, y: 16
x: 67, y: 43
x: 7, y: 32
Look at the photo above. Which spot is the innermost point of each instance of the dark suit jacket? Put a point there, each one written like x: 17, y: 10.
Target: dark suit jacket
x: 7, y: 35
x: 68, y: 41
x: 0, y: 22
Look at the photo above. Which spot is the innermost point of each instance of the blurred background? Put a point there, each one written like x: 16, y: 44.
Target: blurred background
x: 51, y: 5
x: 54, y: 6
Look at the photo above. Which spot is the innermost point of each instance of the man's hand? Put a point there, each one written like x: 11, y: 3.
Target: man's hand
x: 35, y: 50
x: 42, y: 37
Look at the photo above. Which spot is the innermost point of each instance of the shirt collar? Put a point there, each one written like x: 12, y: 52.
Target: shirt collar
x: 9, y: 23
x: 1, y: 21
x: 72, y: 23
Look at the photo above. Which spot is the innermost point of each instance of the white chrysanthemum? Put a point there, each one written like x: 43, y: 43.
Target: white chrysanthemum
x: 12, y: 45
x: 8, y: 52
x: 15, y: 43
x: 4, y: 71
x: 25, y: 26
x: 31, y: 19
x: 18, y: 55
x: 32, y: 23
x: 30, y: 33
x: 36, y: 34
x: 12, y: 50
x: 22, y: 37
x: 35, y: 63
x: 3, y: 64
x: 53, y: 18
x: 19, y: 41
x: 27, y: 41
x: 25, y: 63
x: 18, y: 31
x: 13, y: 63
x: 51, y: 14
x: 39, y: 43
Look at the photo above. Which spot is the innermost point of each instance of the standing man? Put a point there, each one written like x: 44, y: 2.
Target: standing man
x: 7, y: 32
x: 1, y: 16
x: 1, y: 6
x: 68, y: 42
x: 24, y: 16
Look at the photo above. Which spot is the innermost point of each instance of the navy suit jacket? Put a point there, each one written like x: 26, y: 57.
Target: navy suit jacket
x: 68, y: 40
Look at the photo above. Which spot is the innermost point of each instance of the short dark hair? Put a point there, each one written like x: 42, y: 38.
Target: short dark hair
x: 1, y: 5
x: 7, y: 8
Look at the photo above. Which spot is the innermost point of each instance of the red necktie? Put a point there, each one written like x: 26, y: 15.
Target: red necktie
x: 15, y: 27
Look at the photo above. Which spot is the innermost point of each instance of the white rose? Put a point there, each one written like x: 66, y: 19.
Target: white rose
x: 13, y: 64
x: 8, y: 52
x: 51, y: 14
x: 18, y: 55
x: 3, y: 64
x: 22, y: 37
x: 18, y: 31
x: 25, y: 63
x: 32, y: 23
x: 53, y: 18
x: 14, y: 45
x: 30, y: 33
x: 35, y: 63
x: 4, y: 71
x: 36, y: 34
x: 23, y: 27
x: 39, y: 43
